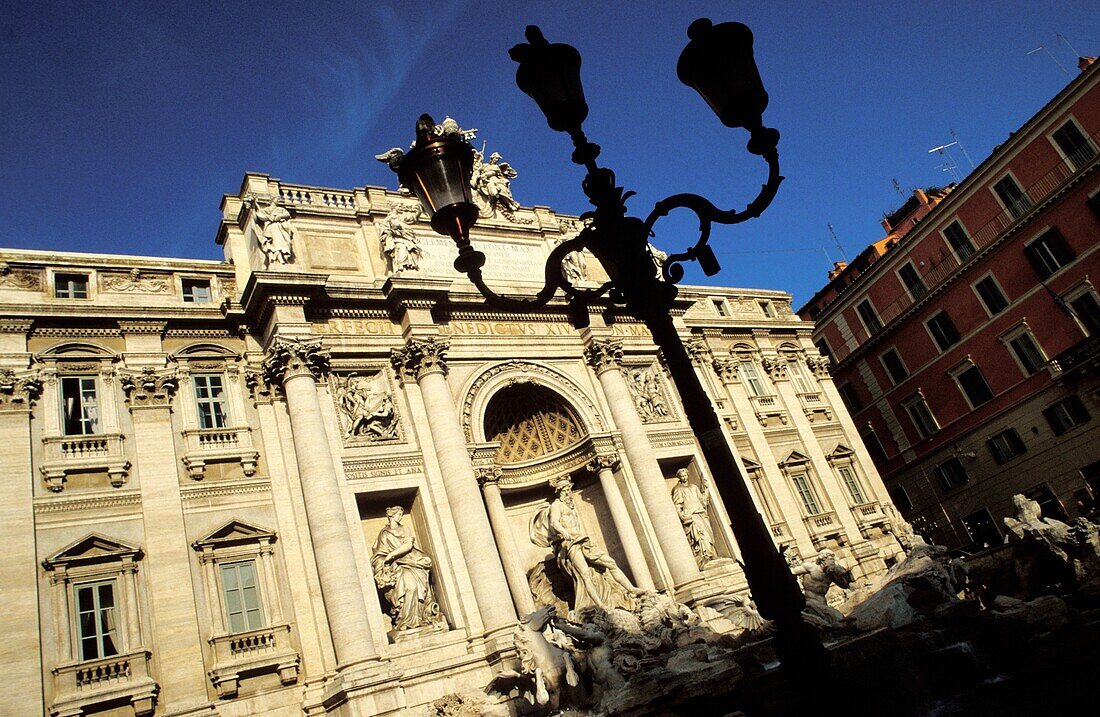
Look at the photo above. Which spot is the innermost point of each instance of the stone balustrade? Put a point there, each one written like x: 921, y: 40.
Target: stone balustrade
x: 266, y: 649
x: 768, y: 409
x: 315, y: 197
x: 82, y: 686
x: 823, y: 526
x: 211, y: 445
x: 71, y: 454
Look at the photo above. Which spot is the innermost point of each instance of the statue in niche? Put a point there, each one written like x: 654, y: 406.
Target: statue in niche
x: 399, y: 243
x: 367, y: 406
x: 692, y: 504
x: 645, y: 388
x: 404, y: 572
x: 492, y: 185
x: 278, y: 229
x: 817, y: 575
x: 573, y: 265
x: 596, y: 578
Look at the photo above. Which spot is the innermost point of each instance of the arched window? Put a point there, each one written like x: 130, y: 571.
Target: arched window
x: 530, y: 421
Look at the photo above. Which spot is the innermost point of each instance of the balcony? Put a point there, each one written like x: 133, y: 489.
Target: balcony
x: 768, y: 411
x: 218, y: 445
x: 823, y: 526
x: 815, y: 406
x: 781, y: 532
x: 81, y: 686
x: 267, y: 649
x: 869, y: 515
x: 81, y: 454
x: 1082, y: 357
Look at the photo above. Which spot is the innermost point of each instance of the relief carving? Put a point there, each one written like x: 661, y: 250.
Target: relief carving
x: 366, y: 406
x: 649, y: 399
x: 134, y: 283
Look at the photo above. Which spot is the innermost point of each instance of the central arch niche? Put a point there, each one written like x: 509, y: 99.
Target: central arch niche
x: 530, y: 421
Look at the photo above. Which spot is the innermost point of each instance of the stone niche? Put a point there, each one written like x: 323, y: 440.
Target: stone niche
x: 722, y: 547
x: 373, y: 520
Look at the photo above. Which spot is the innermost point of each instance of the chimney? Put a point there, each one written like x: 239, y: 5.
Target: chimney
x: 1083, y: 63
x: 838, y: 266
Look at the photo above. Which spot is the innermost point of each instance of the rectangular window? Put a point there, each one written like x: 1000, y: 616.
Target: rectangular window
x: 196, y: 291
x: 752, y: 378
x: 943, y: 330
x: 982, y: 528
x: 242, y: 597
x: 1066, y: 414
x: 911, y: 279
x: 1086, y: 309
x: 974, y: 386
x: 79, y: 406
x: 806, y: 493
x: 1027, y: 352
x: 70, y: 286
x: 1048, y: 253
x: 766, y: 309
x: 1048, y: 502
x: 851, y: 397
x: 921, y: 416
x: 867, y: 314
x: 991, y: 295
x: 959, y: 240
x: 874, y: 447
x: 823, y: 347
x: 951, y: 473
x: 96, y: 619
x: 892, y: 361
x: 1012, y: 197
x: 900, y: 498
x: 849, y: 478
x: 1005, y: 446
x: 1074, y: 145
x: 798, y: 377
x: 210, y: 399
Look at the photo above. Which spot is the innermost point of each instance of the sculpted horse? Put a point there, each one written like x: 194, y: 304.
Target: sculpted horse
x: 547, y: 669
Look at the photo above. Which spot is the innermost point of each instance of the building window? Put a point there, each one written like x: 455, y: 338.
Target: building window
x: 242, y: 596
x: 851, y: 397
x: 798, y: 376
x: 70, y: 286
x: 900, y: 498
x: 951, y: 473
x: 868, y: 316
x: 959, y: 241
x: 973, y: 384
x: 79, y: 405
x: 1073, y: 143
x: 766, y: 309
x: 912, y: 281
x: 210, y: 398
x: 1005, y: 446
x: 196, y: 291
x: 1048, y: 253
x: 993, y: 299
x: 849, y: 478
x: 982, y: 528
x: 1026, y: 351
x: 892, y: 361
x: 921, y: 416
x: 1015, y: 202
x: 751, y: 378
x: 801, y: 482
x: 1086, y: 311
x: 96, y: 619
x: 823, y: 347
x: 943, y: 331
x: 1048, y: 502
x: 1066, y: 414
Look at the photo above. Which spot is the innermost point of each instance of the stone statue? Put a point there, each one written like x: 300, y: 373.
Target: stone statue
x: 692, y: 504
x: 404, y: 571
x: 817, y: 576
x: 547, y: 669
x: 596, y: 577
x: 399, y: 244
x: 659, y: 259
x: 491, y: 182
x: 598, y: 656
x: 366, y: 405
x: 645, y: 388
x: 573, y: 265
x: 278, y: 228
x: 1029, y: 519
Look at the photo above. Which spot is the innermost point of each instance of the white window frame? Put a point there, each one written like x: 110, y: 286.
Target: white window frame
x: 901, y: 280
x: 1015, y: 332
x: 800, y: 378
x: 1075, y: 293
x: 97, y: 428
x: 51, y: 286
x: 915, y: 399
x: 209, y: 286
x: 99, y: 633
x: 974, y: 287
x: 969, y: 236
x: 721, y: 307
x: 226, y: 414
x: 1061, y: 153
x: 235, y: 566
x: 931, y: 335
x: 757, y: 376
x: 874, y: 309
x: 1020, y: 186
x: 966, y: 365
x: 766, y: 308
x: 885, y: 368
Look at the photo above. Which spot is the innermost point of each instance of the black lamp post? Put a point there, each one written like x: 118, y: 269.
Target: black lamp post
x: 718, y: 63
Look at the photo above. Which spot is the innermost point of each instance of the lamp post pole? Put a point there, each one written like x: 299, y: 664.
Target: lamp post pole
x: 718, y: 63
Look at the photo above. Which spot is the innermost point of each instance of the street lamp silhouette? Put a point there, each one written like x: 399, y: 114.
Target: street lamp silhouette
x: 718, y: 63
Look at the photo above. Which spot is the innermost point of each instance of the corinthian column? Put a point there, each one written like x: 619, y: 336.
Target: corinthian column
x: 424, y: 361
x: 606, y: 356
x: 489, y: 478
x: 604, y: 466
x: 296, y: 364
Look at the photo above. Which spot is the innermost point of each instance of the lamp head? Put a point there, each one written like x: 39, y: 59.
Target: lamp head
x: 718, y: 63
x: 551, y: 76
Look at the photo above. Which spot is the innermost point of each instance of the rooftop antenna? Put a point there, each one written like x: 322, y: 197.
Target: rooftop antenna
x: 1044, y: 49
x: 836, y: 239
x: 1062, y: 37
x: 962, y: 148
x: 949, y: 164
x: 897, y: 188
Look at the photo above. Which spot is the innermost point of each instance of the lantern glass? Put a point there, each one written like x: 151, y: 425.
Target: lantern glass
x: 438, y: 173
x: 718, y: 63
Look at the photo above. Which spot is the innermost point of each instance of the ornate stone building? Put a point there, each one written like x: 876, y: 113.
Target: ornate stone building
x: 308, y: 478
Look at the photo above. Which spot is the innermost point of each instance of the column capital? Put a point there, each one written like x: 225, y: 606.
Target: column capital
x: 488, y: 475
x: 149, y: 387
x: 18, y: 389
x: 820, y: 365
x: 775, y: 366
x: 255, y: 380
x: 699, y: 352
x: 726, y: 368
x: 420, y: 357
x: 288, y: 357
x: 604, y: 354
x: 604, y: 461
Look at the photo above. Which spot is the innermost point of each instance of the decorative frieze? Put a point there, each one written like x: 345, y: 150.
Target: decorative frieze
x: 134, y: 282
x: 420, y: 357
x: 648, y: 393
x: 289, y: 357
x: 18, y: 390
x: 604, y: 354
x: 149, y: 387
x: 20, y: 278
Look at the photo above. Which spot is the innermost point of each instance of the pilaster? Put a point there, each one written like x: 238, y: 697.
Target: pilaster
x: 604, y: 465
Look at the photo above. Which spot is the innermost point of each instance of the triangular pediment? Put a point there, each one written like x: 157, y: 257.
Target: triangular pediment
x: 233, y: 533
x: 795, y: 458
x: 750, y: 464
x: 92, y: 548
x: 841, y: 451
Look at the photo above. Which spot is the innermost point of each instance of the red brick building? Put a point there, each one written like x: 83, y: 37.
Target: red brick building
x: 967, y: 341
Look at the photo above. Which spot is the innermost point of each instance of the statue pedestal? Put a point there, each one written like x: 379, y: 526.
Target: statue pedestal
x: 400, y: 635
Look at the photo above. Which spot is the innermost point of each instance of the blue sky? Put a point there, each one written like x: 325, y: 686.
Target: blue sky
x: 124, y: 123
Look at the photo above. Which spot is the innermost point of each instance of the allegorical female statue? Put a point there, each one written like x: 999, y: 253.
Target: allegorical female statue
x: 404, y: 572
x: 278, y: 230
